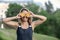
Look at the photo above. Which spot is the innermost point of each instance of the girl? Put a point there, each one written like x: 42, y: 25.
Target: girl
x: 25, y: 26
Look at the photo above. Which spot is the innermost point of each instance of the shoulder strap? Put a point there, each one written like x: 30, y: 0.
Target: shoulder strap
x: 30, y: 26
x: 19, y: 23
x: 19, y: 26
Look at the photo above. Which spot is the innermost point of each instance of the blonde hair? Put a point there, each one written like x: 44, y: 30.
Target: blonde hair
x: 29, y: 19
x: 23, y: 10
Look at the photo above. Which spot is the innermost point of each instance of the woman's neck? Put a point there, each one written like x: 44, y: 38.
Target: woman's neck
x: 24, y: 24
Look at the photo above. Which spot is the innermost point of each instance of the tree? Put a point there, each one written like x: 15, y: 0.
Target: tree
x: 49, y: 7
x: 57, y: 16
x: 33, y: 7
x: 13, y: 10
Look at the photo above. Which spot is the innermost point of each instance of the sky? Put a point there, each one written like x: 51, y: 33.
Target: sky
x: 56, y: 3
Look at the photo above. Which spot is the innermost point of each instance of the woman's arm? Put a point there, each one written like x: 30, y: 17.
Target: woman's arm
x: 9, y: 21
x: 39, y: 21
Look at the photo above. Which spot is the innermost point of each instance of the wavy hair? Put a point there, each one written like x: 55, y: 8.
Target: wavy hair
x: 29, y: 19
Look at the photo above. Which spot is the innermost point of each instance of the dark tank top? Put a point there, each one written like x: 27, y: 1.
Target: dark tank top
x: 24, y: 34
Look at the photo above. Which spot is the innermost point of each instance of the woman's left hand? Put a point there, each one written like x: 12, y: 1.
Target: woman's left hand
x: 32, y: 14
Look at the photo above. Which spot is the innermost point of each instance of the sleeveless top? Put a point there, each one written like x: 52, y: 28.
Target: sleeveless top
x: 24, y: 34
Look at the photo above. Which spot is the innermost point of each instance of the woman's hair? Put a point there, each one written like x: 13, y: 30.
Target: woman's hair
x: 24, y: 9
x: 29, y: 19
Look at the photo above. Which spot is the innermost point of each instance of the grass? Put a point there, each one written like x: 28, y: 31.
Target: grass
x: 43, y: 37
x: 10, y: 34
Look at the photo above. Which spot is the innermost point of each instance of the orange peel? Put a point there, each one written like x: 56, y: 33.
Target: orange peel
x: 23, y: 14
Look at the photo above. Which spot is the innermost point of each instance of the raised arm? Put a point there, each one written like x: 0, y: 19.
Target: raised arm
x: 9, y: 21
x: 39, y: 21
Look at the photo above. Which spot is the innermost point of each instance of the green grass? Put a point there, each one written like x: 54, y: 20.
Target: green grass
x: 43, y: 37
x: 10, y: 34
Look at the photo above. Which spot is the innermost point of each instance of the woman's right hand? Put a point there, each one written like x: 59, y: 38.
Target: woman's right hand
x: 18, y: 16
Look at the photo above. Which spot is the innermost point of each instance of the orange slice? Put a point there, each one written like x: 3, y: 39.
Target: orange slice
x: 28, y: 14
x: 23, y: 14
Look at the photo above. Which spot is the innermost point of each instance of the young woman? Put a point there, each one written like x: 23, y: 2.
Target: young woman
x: 25, y: 26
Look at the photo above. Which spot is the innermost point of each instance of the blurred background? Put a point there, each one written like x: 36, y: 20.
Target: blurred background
x: 49, y: 30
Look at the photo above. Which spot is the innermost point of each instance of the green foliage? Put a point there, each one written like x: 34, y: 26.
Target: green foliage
x: 49, y: 7
x: 33, y: 7
x: 13, y: 10
x: 51, y: 26
x: 57, y: 16
x: 48, y: 27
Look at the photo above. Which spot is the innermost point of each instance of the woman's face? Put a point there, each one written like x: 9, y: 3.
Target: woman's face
x: 25, y: 19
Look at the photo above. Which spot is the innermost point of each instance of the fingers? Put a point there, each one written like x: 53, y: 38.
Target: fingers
x: 18, y: 16
x: 31, y: 12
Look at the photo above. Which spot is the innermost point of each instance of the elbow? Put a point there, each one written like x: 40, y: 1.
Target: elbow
x: 45, y: 18
x: 4, y: 21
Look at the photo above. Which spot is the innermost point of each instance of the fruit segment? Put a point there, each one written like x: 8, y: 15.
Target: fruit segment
x: 24, y: 14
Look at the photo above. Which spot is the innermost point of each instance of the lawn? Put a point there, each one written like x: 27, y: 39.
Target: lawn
x: 10, y: 34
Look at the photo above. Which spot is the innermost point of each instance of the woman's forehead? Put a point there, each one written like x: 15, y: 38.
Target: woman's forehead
x: 25, y: 11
